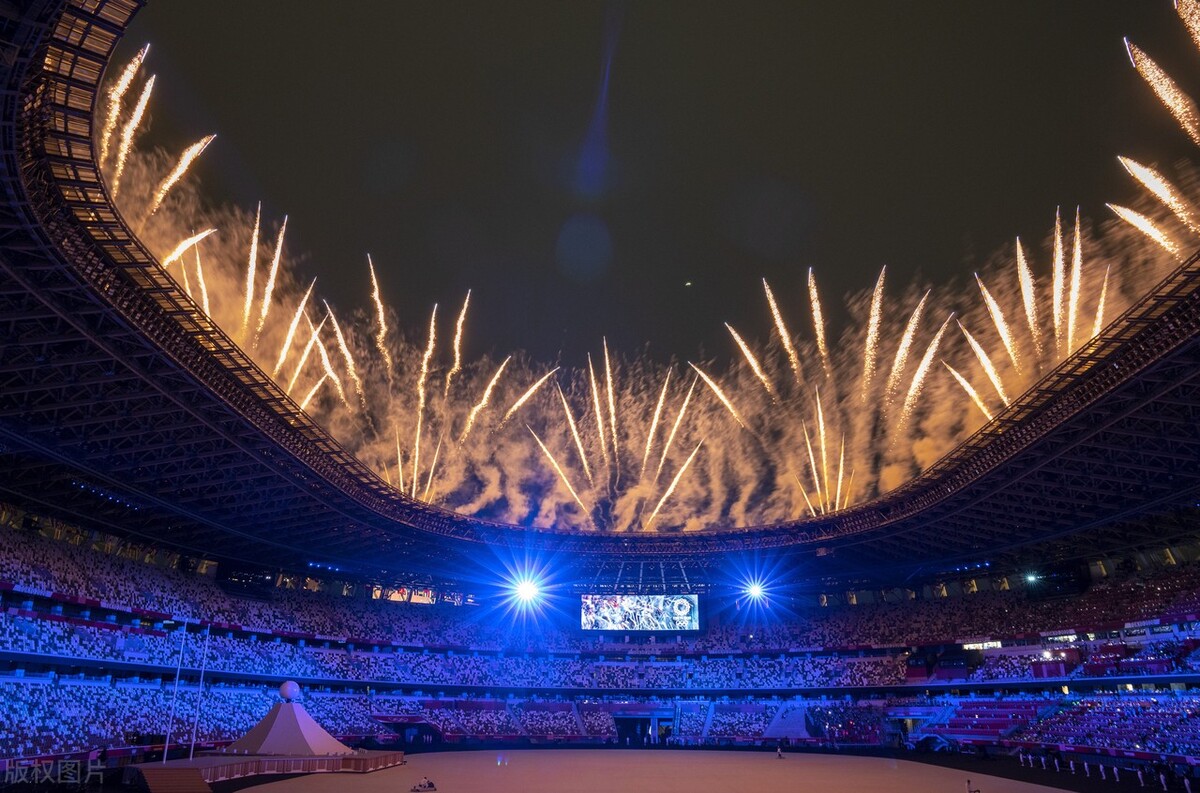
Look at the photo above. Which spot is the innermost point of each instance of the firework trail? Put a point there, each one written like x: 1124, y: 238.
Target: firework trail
x: 421, y: 378
x: 525, y: 398
x: 811, y: 510
x: 1099, y: 324
x: 187, y: 282
x: 784, y: 336
x: 381, y: 335
x: 658, y: 408
x: 1163, y: 190
x: 1180, y: 104
x: 114, y: 100
x: 1147, y: 227
x: 819, y: 323
x: 248, y: 303
x: 1076, y: 276
x: 997, y: 315
x: 1058, y: 287
x: 596, y: 409
x: 269, y: 289
x: 812, y: 466
x: 291, y: 331
x: 458, y: 333
x: 674, y: 484
x: 871, y: 346
x: 185, y: 161
x: 674, y: 429
x: 326, y: 364
x: 558, y: 469
x: 583, y: 458
x: 344, y: 348
x: 200, y: 282
x: 612, y: 410
x: 970, y: 389
x: 837, y: 500
x: 432, y: 467
x: 849, y: 491
x: 986, y: 362
x: 1028, y: 298
x: 821, y: 441
x: 752, y: 361
x: 483, y: 401
x: 918, y: 381
x: 313, y: 337
x: 716, y: 389
x: 313, y: 392
x: 902, y: 351
x: 183, y: 247
x: 127, y: 134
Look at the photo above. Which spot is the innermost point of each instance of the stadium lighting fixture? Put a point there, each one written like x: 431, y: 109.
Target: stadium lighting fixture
x: 526, y: 590
x: 1031, y: 577
x: 754, y: 590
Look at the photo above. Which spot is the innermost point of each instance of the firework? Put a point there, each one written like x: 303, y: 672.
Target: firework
x: 114, y: 100
x: 612, y: 409
x: 269, y: 289
x: 558, y: 469
x: 458, y: 333
x: 583, y: 458
x: 421, y: 378
x: 1028, y: 299
x: 918, y: 381
x: 662, y: 398
x: 902, y: 351
x: 313, y: 392
x: 432, y: 467
x: 970, y: 389
x: 716, y: 389
x: 674, y: 484
x: 1180, y: 104
x: 1147, y: 227
x: 533, y: 389
x: 784, y: 336
x: 344, y: 348
x: 986, y: 362
x: 1076, y: 277
x: 185, y: 161
x: 997, y: 315
x: 128, y: 132
x: 248, y: 302
x: 1058, y: 287
x: 380, y: 318
x: 837, y: 499
x: 483, y: 401
x: 399, y: 464
x: 313, y: 337
x: 818, y: 322
x: 812, y: 466
x: 326, y: 364
x: 1189, y: 12
x: 808, y: 501
x: 1163, y: 190
x: 596, y: 410
x: 200, y: 282
x: 755, y: 366
x: 183, y: 247
x: 871, y: 346
x: 675, y: 428
x: 821, y: 441
x: 291, y: 331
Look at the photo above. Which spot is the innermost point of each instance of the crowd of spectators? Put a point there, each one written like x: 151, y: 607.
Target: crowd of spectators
x: 129, y: 578
x: 1167, y: 724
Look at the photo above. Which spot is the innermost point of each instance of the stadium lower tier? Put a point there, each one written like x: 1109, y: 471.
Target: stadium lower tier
x: 49, y: 717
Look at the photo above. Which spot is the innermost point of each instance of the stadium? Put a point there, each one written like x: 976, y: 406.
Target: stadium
x: 180, y: 540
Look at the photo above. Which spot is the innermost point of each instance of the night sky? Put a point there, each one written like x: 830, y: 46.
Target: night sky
x: 578, y: 164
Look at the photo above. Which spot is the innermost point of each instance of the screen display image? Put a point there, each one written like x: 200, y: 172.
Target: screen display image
x: 640, y: 613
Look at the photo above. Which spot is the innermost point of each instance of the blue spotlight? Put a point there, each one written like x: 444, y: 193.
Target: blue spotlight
x: 755, y: 590
x: 526, y: 590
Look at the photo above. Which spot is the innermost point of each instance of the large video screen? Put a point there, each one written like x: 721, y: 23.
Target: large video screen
x: 640, y: 613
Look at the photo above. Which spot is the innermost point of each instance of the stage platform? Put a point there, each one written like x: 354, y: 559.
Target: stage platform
x: 216, y: 766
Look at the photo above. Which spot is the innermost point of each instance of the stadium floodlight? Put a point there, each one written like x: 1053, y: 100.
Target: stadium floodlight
x: 754, y: 590
x: 1031, y: 577
x: 526, y: 590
